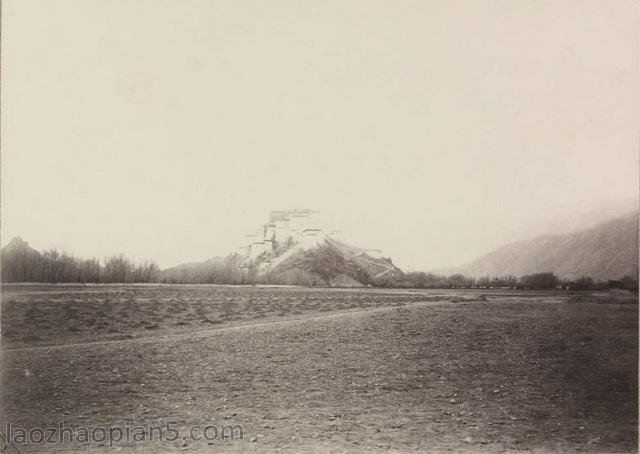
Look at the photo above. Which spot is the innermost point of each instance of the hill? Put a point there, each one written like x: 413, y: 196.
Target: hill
x: 294, y: 247
x: 332, y: 263
x: 607, y: 251
x: 217, y: 270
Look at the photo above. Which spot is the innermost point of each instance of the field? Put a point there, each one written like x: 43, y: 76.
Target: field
x: 324, y: 370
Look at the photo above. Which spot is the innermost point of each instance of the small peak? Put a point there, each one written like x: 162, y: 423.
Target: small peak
x: 16, y: 244
x: 17, y: 241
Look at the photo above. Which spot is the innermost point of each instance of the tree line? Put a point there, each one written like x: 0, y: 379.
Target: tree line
x: 23, y: 264
x: 536, y: 281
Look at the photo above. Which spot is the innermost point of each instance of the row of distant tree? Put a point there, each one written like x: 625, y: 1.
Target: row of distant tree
x: 23, y: 264
x: 28, y: 265
x: 548, y: 280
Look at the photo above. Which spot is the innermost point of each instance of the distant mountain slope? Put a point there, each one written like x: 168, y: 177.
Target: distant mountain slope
x: 606, y: 251
x: 217, y: 270
x: 573, y: 217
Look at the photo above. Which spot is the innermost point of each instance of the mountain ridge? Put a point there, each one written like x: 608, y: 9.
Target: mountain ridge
x: 608, y: 250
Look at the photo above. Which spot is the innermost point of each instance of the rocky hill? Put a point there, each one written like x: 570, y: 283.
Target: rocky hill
x: 332, y: 263
x: 297, y: 247
x: 293, y: 247
x: 606, y: 251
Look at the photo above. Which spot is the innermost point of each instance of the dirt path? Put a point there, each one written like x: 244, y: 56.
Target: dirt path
x: 233, y: 327
x: 55, y: 317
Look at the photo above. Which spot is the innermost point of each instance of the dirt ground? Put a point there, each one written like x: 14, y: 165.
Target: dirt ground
x: 309, y: 370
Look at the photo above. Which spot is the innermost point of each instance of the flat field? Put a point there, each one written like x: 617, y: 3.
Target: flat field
x: 323, y: 370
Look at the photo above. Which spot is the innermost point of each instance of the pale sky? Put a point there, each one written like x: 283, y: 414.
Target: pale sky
x: 169, y: 129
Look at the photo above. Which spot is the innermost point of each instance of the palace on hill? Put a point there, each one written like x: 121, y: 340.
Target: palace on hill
x: 301, y: 227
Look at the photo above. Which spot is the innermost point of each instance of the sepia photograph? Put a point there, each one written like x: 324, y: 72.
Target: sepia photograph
x: 319, y: 226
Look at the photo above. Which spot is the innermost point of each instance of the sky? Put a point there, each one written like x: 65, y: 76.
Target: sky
x: 168, y: 130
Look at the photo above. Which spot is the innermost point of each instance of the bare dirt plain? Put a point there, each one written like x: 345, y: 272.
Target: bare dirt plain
x: 321, y: 370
